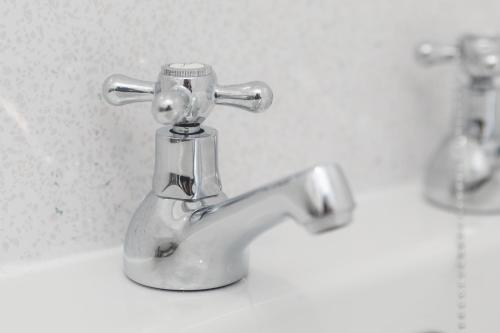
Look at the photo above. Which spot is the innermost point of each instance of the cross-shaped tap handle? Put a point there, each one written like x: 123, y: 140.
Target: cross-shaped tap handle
x: 479, y: 56
x: 184, y: 94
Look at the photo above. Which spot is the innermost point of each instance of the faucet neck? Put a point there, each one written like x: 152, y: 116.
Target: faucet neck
x: 478, y: 111
x: 186, y: 164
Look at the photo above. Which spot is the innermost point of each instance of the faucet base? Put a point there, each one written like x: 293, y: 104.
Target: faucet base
x: 183, y: 290
x: 145, y: 276
x: 463, y: 176
x: 154, y: 257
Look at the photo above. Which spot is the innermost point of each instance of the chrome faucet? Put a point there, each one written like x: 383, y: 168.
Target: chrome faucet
x: 186, y: 235
x: 464, y: 172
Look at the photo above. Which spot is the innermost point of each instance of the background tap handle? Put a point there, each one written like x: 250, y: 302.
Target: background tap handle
x: 252, y: 96
x: 429, y: 54
x: 478, y: 55
x: 120, y: 89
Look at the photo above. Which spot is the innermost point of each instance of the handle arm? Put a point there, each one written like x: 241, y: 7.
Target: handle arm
x: 433, y: 54
x: 120, y: 89
x: 252, y: 96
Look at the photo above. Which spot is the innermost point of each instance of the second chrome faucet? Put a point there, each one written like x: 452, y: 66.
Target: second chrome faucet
x: 464, y: 172
x: 186, y: 234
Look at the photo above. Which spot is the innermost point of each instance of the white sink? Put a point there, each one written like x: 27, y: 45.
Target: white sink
x: 391, y: 271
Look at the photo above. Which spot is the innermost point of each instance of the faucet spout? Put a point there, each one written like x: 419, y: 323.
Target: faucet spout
x: 319, y: 199
x: 183, y: 245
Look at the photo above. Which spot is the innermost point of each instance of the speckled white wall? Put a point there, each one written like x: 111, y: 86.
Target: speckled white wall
x: 72, y: 169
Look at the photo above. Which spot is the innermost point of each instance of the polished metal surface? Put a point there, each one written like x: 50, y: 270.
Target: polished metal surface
x: 252, y: 96
x: 183, y: 97
x: 185, y: 94
x: 195, y: 245
x: 186, y: 235
x: 186, y: 164
x: 471, y: 150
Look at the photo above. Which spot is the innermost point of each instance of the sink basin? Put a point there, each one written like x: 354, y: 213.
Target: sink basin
x: 392, y: 270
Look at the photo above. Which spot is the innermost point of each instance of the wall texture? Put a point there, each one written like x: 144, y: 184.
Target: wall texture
x: 73, y: 169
